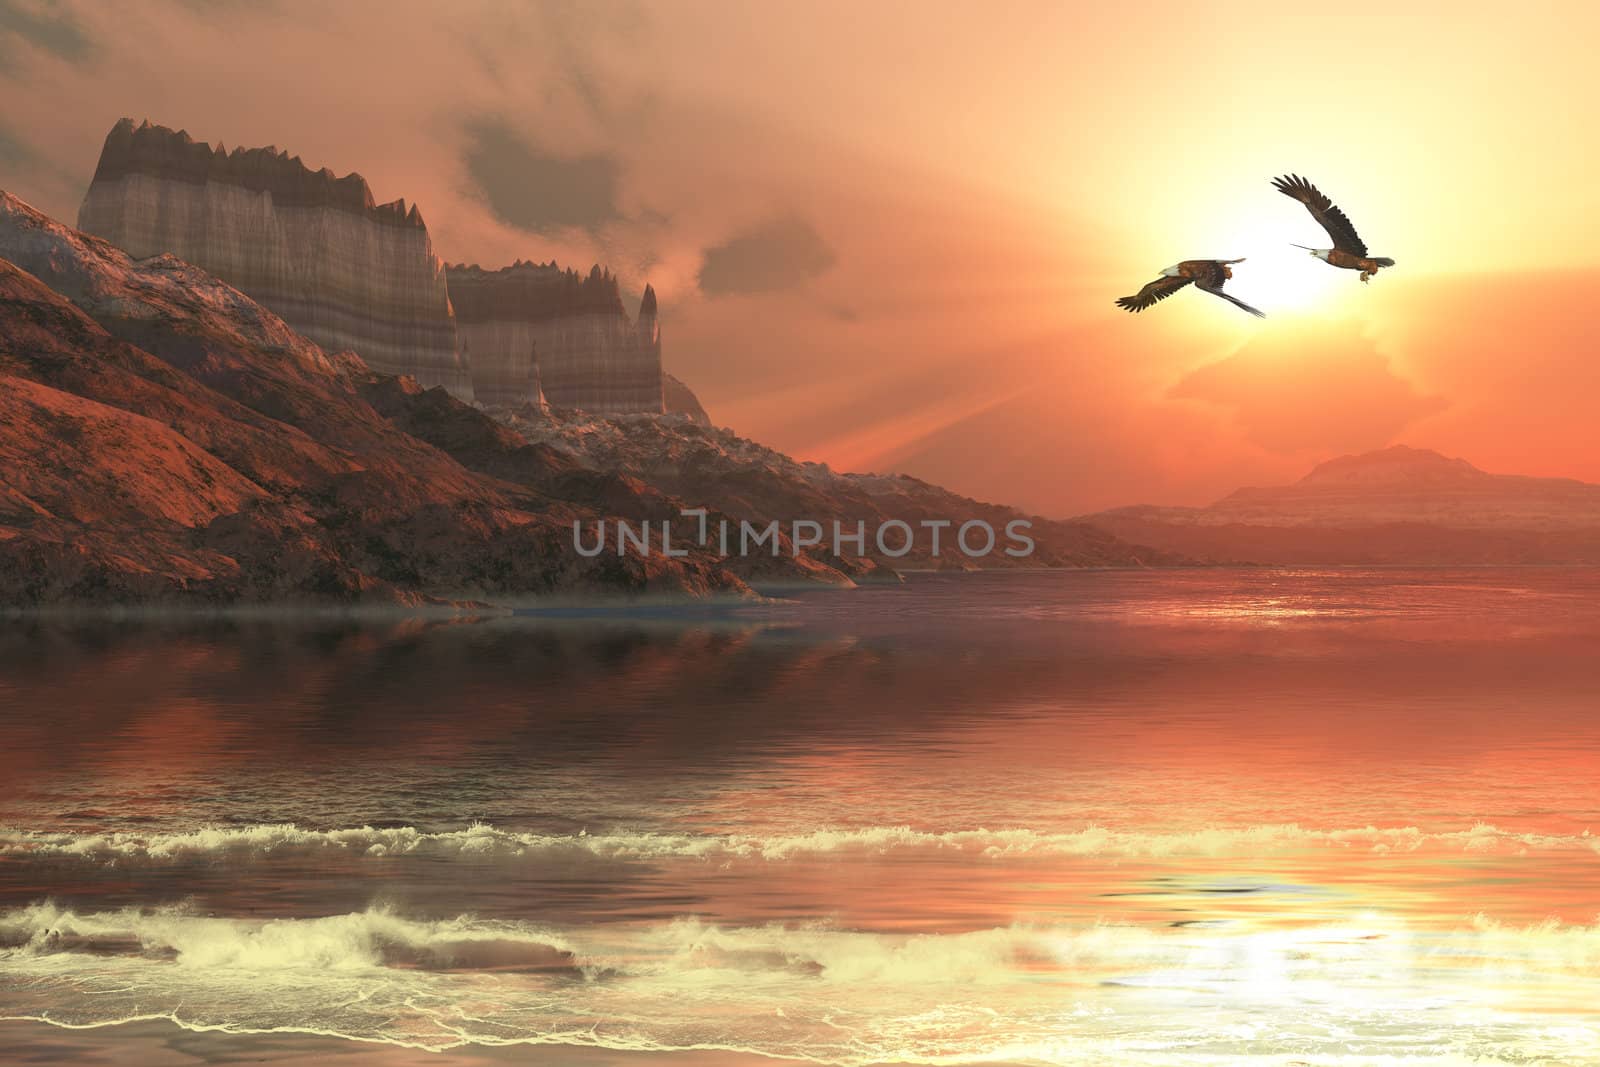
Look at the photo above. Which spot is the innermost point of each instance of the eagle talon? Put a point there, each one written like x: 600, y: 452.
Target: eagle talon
x: 1349, y: 251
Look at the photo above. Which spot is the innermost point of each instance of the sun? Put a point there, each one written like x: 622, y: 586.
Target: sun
x: 1276, y: 276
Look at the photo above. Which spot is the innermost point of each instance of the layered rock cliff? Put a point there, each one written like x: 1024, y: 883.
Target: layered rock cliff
x: 167, y: 439
x: 534, y: 330
x: 341, y: 269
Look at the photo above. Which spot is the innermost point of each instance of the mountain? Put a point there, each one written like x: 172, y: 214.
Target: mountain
x: 533, y: 329
x: 167, y: 439
x: 339, y: 268
x: 1394, y: 506
x: 741, y: 480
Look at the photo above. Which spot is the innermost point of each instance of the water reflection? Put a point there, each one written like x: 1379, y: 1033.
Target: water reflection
x: 1076, y: 805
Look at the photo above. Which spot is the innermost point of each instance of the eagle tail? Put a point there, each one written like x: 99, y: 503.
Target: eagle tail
x: 1383, y: 261
x: 1235, y: 301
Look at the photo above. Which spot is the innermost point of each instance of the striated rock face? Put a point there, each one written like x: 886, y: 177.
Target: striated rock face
x: 346, y: 272
x: 534, y: 329
x: 505, y: 372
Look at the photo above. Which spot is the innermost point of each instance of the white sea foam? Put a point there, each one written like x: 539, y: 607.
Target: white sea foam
x: 1368, y: 989
x: 374, y: 938
x: 826, y: 954
x: 379, y: 938
x: 489, y: 841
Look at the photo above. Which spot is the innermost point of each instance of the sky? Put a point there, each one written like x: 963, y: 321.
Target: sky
x: 888, y: 236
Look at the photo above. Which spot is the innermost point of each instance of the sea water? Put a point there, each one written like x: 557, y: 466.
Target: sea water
x: 1114, y: 817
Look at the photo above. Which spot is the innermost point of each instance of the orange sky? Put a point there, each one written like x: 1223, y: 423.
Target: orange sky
x: 914, y: 217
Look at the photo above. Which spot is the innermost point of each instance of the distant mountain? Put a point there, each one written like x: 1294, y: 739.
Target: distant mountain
x: 1397, y: 505
x: 1398, y: 466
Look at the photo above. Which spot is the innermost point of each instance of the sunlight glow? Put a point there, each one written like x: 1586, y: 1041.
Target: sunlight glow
x: 1276, y: 276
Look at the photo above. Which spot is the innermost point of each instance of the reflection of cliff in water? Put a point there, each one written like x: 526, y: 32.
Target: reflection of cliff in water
x: 677, y: 695
x: 697, y: 696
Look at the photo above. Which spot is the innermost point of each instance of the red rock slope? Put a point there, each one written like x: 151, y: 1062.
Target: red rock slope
x: 165, y: 438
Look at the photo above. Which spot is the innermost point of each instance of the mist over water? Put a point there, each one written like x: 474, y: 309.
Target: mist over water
x: 1198, y: 817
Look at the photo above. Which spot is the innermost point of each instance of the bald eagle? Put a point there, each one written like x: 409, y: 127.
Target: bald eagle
x: 1349, y: 250
x: 1207, y: 274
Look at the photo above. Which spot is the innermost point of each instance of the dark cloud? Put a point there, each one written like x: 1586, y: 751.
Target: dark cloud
x: 232, y: 9
x: 1290, y: 392
x: 13, y: 153
x: 43, y: 26
x: 776, y: 255
x: 536, y: 191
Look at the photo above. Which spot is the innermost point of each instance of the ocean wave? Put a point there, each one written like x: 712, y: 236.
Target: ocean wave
x: 481, y: 840
x: 1370, y: 985
x: 380, y: 938
x: 374, y: 938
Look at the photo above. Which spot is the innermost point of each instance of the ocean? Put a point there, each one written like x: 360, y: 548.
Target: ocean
x: 1198, y: 817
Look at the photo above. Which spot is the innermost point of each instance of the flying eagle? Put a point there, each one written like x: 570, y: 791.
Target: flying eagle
x: 1349, y: 250
x: 1208, y: 274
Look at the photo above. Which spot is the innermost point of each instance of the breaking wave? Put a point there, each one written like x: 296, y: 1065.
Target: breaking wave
x: 488, y: 841
x: 375, y: 938
x: 1047, y: 994
x: 378, y: 938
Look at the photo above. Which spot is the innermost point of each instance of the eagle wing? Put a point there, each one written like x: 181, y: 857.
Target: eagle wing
x: 1328, y: 216
x: 1159, y: 289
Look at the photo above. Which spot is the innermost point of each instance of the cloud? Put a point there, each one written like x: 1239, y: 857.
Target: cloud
x: 43, y: 27
x: 781, y: 254
x: 13, y: 153
x: 536, y: 191
x: 1295, y: 391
